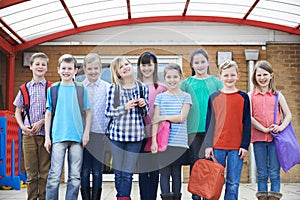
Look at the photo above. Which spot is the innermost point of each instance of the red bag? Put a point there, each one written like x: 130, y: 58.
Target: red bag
x: 207, y: 179
x: 162, y: 137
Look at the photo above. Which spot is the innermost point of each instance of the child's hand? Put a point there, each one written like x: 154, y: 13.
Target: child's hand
x: 154, y: 147
x: 36, y: 127
x: 208, y: 152
x: 276, y: 128
x: 131, y: 104
x: 27, y: 130
x: 85, y: 139
x: 243, y: 153
x: 141, y: 102
x: 47, y: 144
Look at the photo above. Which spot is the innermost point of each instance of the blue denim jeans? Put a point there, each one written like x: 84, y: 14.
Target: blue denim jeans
x: 125, y: 156
x: 59, y: 149
x: 233, y: 172
x: 93, y: 155
x: 267, y: 165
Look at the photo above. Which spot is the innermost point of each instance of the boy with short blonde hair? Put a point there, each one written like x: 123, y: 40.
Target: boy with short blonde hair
x: 228, y: 127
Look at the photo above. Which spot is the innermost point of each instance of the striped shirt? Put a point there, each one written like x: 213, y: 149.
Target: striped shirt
x: 171, y: 105
x: 36, y: 91
x: 126, y: 125
x: 97, y: 93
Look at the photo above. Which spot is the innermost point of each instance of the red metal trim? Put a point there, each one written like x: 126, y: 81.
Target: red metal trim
x: 7, y: 3
x: 128, y: 9
x: 10, y: 81
x: 298, y: 26
x: 68, y: 13
x: 11, y: 30
x: 8, y: 48
x: 155, y: 19
x: 250, y: 10
x: 186, y: 7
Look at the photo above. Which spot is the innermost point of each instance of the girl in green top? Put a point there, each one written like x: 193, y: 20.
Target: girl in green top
x: 200, y: 85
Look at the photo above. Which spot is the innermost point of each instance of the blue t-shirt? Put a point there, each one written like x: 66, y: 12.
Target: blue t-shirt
x: 67, y: 122
x: 171, y: 105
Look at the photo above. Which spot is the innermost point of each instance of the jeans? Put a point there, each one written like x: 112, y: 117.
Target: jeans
x: 267, y: 166
x: 37, y: 165
x: 233, y: 174
x: 125, y: 156
x: 75, y: 152
x: 93, y: 155
x: 148, y: 174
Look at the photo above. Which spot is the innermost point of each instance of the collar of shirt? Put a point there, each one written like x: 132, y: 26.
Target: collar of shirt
x: 87, y: 83
x: 259, y: 92
x: 33, y: 82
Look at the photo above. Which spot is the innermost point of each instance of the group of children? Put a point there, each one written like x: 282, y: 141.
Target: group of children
x: 209, y: 117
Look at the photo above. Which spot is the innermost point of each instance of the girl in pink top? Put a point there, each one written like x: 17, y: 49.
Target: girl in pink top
x: 262, y: 100
x: 147, y: 68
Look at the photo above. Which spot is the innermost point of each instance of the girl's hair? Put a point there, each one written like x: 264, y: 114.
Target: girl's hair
x: 228, y: 64
x: 114, y: 66
x: 90, y: 58
x: 196, y: 52
x: 146, y: 58
x: 68, y: 58
x: 38, y: 55
x: 171, y: 66
x: 265, y: 65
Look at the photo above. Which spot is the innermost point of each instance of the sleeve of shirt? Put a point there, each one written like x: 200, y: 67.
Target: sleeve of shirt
x: 246, y: 123
x: 111, y: 111
x: 86, y: 101
x: 18, y: 102
x: 188, y: 99
x: 183, y: 86
x: 49, y: 100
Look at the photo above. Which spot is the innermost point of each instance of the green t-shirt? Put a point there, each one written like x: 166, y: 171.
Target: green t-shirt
x: 200, y: 90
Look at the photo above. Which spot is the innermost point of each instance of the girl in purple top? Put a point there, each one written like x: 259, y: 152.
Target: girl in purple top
x: 148, y: 73
x: 262, y: 100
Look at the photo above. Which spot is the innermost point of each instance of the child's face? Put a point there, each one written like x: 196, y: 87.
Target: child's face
x: 67, y: 71
x: 263, y: 77
x: 172, y: 79
x: 147, y: 70
x: 200, y: 64
x: 125, y: 69
x: 39, y: 67
x: 229, y: 77
x: 92, y: 71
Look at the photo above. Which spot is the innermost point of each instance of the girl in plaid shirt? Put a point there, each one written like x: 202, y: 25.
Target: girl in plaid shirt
x: 125, y: 108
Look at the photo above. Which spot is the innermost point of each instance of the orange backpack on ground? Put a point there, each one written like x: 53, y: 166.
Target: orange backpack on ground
x: 207, y: 179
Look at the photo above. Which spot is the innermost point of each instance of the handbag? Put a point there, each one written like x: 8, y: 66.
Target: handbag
x: 286, y: 143
x: 207, y: 179
x: 162, y: 137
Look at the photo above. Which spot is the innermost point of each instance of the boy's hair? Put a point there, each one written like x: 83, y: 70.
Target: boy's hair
x: 38, y: 55
x: 146, y: 58
x: 68, y: 58
x: 174, y: 66
x: 228, y: 64
x: 90, y: 58
x: 196, y: 52
x: 114, y: 66
x: 265, y: 65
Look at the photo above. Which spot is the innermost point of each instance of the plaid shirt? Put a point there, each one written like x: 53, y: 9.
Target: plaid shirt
x: 37, y: 96
x: 127, y: 125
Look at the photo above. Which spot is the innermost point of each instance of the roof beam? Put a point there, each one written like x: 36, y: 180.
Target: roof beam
x: 7, y: 3
x: 250, y: 10
x: 11, y: 30
x: 186, y: 7
x: 68, y: 13
x: 154, y: 19
x: 6, y: 46
x: 128, y: 9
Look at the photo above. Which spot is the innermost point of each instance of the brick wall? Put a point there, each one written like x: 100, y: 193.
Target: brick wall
x: 285, y: 59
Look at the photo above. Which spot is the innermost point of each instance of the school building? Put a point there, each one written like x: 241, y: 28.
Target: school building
x: 244, y: 31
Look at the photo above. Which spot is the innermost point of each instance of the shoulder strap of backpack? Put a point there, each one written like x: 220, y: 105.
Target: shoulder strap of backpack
x: 26, y: 100
x: 80, y: 96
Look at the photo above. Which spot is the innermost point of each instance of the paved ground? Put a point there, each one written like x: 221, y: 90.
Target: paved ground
x: 291, y: 191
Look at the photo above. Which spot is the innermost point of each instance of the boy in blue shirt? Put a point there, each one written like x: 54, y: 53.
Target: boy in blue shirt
x: 67, y: 130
